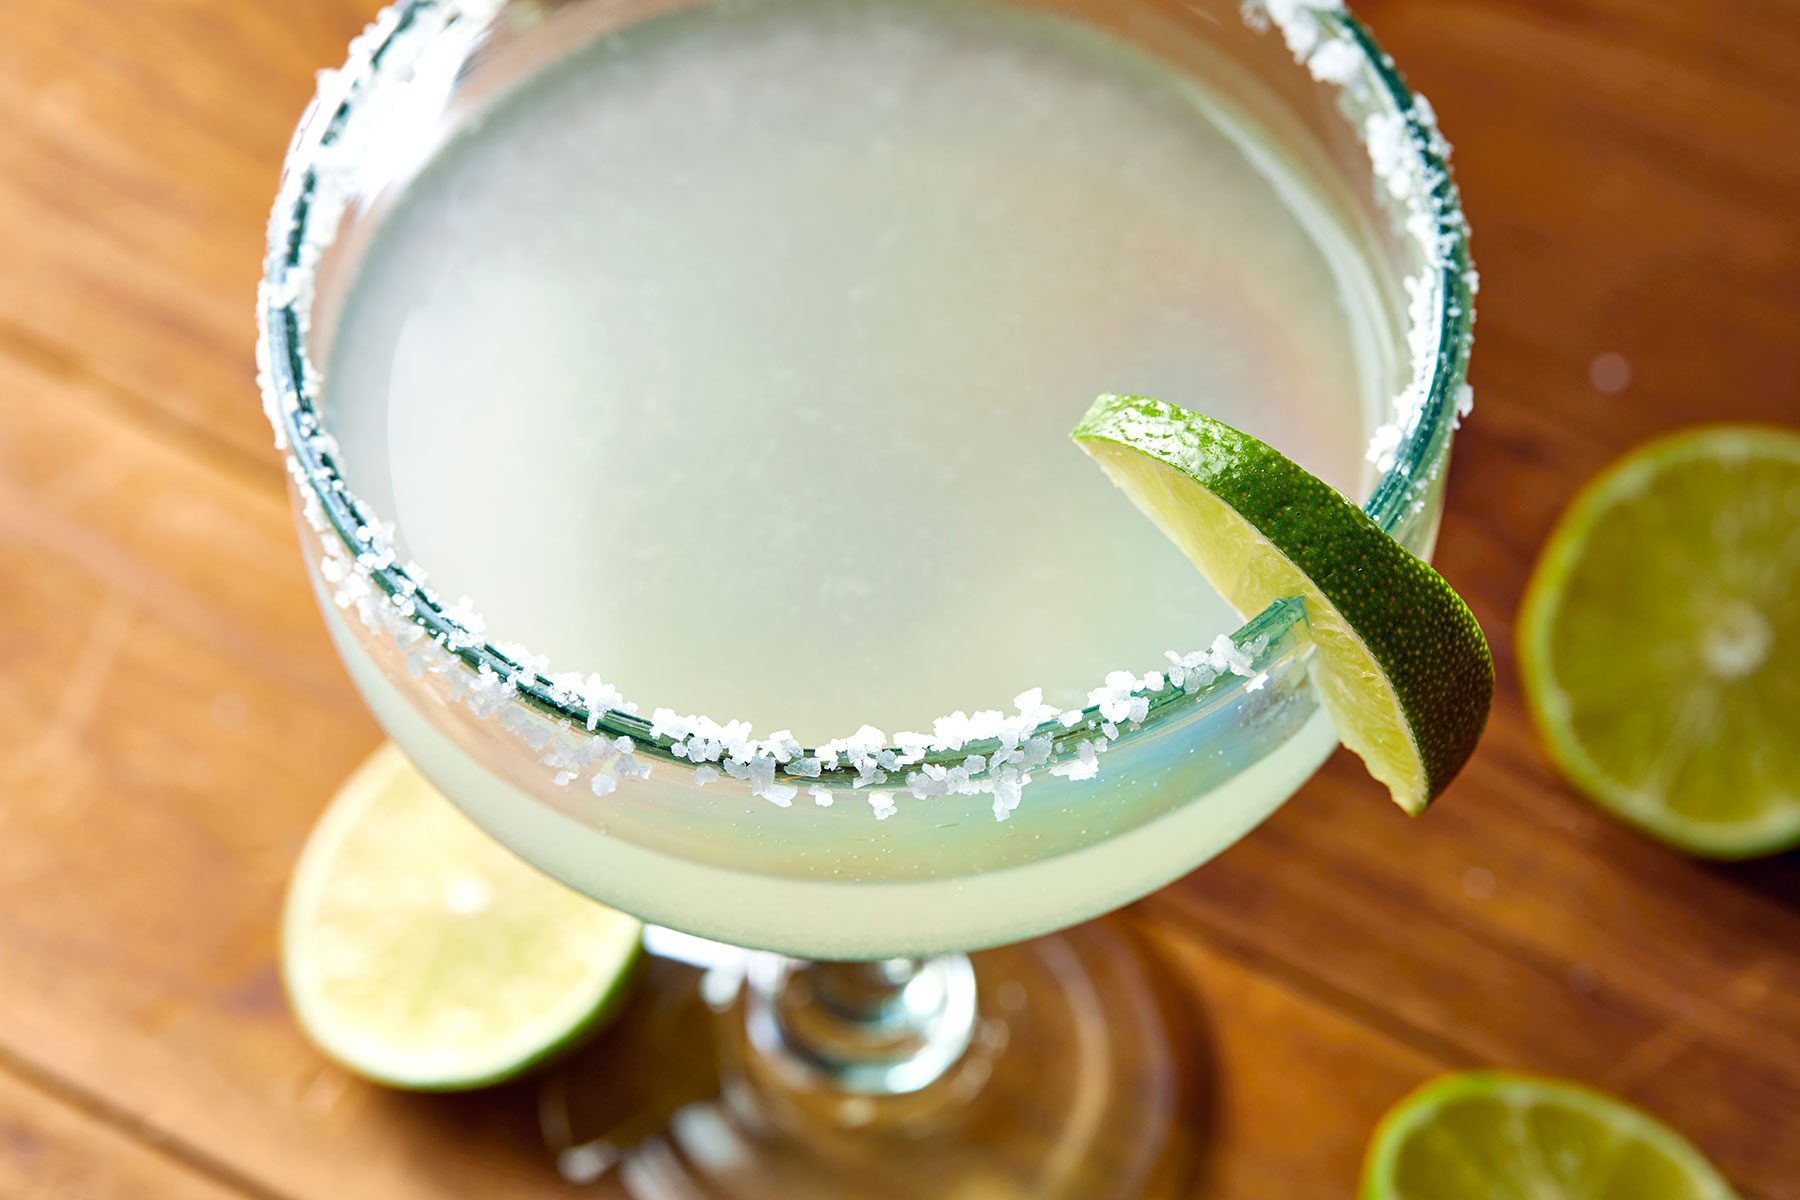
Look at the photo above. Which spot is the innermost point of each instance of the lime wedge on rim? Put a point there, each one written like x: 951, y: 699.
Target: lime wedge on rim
x: 1487, y: 1135
x: 1660, y: 640
x: 1401, y: 664
x: 420, y: 953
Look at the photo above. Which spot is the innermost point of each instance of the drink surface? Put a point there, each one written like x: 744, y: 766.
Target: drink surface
x: 734, y: 357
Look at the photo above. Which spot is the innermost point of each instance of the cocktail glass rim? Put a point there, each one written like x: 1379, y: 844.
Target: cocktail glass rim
x: 292, y: 387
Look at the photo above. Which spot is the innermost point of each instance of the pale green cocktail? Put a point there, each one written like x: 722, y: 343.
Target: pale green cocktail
x: 725, y: 358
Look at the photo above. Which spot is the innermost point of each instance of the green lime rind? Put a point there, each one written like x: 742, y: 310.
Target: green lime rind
x: 1493, y: 1135
x: 1690, y: 537
x: 1402, y: 666
x: 418, y: 953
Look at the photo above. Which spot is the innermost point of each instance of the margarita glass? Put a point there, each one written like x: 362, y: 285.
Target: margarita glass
x: 864, y: 1050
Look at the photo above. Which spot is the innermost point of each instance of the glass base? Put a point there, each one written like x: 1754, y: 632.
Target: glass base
x: 1078, y: 1082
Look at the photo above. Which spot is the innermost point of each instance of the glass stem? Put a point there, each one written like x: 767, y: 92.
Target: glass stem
x: 884, y: 1028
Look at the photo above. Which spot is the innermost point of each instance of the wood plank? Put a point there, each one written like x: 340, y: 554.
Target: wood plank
x: 139, y: 150
x: 1625, y: 200
x: 50, y: 1150
x: 1296, y: 1084
x: 175, y: 715
x: 1551, y: 941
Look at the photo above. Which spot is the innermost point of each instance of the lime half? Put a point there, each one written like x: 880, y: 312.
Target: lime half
x: 1660, y: 640
x: 421, y: 954
x: 1491, y: 1136
x: 1401, y: 664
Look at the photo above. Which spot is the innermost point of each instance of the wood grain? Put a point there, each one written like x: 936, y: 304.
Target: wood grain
x: 50, y: 1150
x: 173, y: 714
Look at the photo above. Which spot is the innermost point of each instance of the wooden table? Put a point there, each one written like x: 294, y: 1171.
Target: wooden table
x: 171, y: 716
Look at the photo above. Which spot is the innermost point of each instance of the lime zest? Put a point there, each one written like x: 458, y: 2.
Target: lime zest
x: 1402, y: 666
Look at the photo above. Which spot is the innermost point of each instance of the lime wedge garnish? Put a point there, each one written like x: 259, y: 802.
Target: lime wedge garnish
x: 1491, y: 1136
x: 1401, y: 665
x: 421, y: 954
x: 1660, y: 640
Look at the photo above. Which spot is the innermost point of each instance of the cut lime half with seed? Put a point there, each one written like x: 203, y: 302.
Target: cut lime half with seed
x: 419, y: 953
x: 1401, y: 665
x: 1494, y: 1136
x: 1660, y: 640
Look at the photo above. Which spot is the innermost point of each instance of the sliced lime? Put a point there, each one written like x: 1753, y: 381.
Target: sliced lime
x: 1401, y: 664
x: 421, y: 954
x: 1492, y: 1136
x: 1660, y: 640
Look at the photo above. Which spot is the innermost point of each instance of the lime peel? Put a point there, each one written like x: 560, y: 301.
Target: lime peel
x: 1401, y: 667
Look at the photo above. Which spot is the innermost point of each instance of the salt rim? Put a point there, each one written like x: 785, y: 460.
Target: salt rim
x: 579, y: 725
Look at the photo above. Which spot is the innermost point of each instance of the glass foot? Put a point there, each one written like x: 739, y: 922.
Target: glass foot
x: 1077, y: 1081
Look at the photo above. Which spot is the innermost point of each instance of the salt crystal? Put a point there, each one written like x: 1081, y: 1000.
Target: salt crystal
x: 1086, y: 764
x: 1335, y: 61
x: 664, y: 723
x: 1384, y: 444
x: 1008, y: 787
x: 1076, y: 772
x: 1226, y: 655
x: 1385, y: 134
